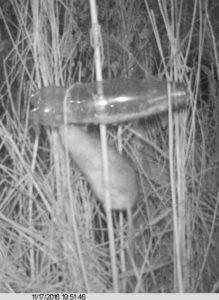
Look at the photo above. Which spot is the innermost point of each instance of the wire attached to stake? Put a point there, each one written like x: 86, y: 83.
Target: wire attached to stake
x: 97, y: 44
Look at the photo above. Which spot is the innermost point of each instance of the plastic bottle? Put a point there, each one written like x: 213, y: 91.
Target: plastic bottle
x: 123, y: 100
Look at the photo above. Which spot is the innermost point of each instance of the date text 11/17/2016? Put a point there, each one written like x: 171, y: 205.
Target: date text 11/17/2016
x: 58, y: 296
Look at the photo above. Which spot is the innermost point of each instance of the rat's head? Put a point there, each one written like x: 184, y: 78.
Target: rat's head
x: 47, y: 104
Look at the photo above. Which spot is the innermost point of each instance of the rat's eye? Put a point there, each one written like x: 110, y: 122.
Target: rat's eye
x: 46, y: 110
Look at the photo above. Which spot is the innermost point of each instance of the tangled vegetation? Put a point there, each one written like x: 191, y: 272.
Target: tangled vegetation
x: 55, y: 241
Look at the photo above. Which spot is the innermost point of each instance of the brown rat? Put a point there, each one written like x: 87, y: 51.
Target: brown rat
x: 85, y: 150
